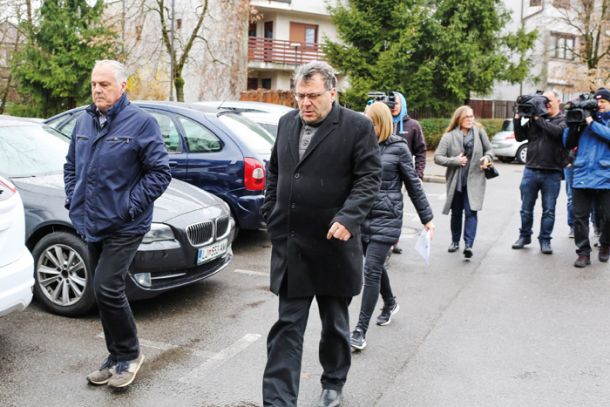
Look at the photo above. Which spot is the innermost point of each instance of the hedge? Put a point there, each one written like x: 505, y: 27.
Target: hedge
x: 434, y: 129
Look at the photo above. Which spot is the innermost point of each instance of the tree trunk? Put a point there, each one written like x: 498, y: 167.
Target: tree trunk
x: 179, y: 84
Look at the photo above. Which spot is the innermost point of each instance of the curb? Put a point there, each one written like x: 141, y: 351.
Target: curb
x: 438, y: 179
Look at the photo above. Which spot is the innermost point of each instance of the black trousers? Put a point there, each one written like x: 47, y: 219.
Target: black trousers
x: 375, y: 275
x: 582, y: 199
x: 111, y: 258
x: 285, y: 347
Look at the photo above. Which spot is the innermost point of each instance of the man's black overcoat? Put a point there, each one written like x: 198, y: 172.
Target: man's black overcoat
x: 336, y: 180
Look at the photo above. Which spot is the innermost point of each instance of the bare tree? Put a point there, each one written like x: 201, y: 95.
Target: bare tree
x: 590, y: 19
x: 11, y: 38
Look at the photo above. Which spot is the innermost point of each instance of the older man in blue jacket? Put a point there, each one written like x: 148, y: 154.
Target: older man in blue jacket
x: 591, y: 182
x: 116, y: 167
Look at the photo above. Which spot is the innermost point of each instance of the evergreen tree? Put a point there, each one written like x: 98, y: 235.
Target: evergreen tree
x: 54, y: 66
x: 435, y: 52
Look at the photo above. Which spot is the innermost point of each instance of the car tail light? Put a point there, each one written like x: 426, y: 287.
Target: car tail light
x: 254, y: 174
x: 510, y: 136
x: 7, y: 189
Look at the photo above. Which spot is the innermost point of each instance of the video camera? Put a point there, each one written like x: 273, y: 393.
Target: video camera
x: 579, y: 109
x: 532, y: 105
x: 389, y: 98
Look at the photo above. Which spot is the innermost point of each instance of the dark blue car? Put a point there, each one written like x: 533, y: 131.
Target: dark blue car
x: 221, y: 152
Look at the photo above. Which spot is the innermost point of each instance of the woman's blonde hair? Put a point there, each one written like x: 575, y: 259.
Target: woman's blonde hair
x: 381, y: 117
x: 458, y: 116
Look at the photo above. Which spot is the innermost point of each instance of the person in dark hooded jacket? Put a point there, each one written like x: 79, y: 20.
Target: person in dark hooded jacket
x: 382, y: 226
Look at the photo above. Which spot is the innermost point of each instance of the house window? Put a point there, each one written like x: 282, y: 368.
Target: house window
x: 252, y: 30
x: 304, y: 33
x: 266, y: 83
x: 561, y: 3
x: 178, y: 23
x: 252, y: 83
x: 535, y: 3
x: 562, y: 46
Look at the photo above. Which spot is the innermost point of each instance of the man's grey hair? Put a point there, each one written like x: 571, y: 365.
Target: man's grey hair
x: 554, y: 92
x: 307, y: 71
x: 120, y: 72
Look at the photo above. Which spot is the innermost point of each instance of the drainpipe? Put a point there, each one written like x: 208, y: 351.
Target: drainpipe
x: 523, y: 18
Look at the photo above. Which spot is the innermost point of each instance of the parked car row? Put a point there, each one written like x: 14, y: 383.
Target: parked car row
x: 219, y: 151
x: 190, y: 238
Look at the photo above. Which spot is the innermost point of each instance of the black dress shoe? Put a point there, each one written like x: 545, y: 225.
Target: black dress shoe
x: 330, y: 398
x: 396, y: 250
x: 582, y: 261
x: 545, y: 248
x: 453, y: 247
x: 522, y: 241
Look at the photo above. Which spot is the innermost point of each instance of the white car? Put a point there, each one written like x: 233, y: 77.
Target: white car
x: 266, y: 115
x: 506, y: 147
x: 16, y: 262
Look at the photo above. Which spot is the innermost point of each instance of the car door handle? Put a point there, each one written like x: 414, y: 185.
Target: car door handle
x: 173, y: 164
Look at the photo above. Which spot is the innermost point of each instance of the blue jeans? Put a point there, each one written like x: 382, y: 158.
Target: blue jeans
x: 461, y: 204
x: 569, y: 176
x: 548, y: 182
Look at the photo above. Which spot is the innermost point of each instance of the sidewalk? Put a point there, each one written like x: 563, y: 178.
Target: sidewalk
x: 433, y: 172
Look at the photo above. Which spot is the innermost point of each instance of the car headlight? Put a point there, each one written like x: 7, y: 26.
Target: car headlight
x: 158, y: 233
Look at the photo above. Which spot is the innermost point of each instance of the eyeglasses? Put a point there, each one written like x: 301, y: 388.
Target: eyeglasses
x: 311, y: 96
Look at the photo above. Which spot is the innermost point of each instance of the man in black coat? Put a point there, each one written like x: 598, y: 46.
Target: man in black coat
x: 322, y: 179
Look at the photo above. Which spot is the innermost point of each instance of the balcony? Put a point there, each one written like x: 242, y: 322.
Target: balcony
x: 282, y: 52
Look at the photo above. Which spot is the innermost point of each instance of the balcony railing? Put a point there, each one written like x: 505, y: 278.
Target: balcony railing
x: 283, y: 52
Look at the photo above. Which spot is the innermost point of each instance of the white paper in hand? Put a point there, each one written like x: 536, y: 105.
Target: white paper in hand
x: 422, y: 246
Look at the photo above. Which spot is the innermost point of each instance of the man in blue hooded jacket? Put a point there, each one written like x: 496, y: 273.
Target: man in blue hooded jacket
x: 591, y: 182
x: 116, y: 167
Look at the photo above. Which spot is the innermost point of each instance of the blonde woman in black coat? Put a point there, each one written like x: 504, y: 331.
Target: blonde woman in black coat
x: 382, y: 226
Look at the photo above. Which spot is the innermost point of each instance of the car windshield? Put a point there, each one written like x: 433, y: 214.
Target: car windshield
x: 250, y: 133
x: 27, y: 150
x: 507, y: 125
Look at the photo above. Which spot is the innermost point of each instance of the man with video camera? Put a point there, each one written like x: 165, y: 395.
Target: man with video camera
x: 546, y: 158
x: 589, y: 131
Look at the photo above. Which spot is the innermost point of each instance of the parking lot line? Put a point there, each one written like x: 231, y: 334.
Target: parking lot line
x: 167, y: 346
x: 251, y: 272
x: 221, y: 357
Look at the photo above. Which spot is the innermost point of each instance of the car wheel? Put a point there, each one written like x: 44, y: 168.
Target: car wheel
x: 506, y: 159
x: 522, y: 154
x: 63, y: 277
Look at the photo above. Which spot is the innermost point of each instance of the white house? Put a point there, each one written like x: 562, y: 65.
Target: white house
x: 554, y: 64
x: 288, y: 33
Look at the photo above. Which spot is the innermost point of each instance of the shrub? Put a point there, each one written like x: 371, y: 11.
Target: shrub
x: 434, y: 129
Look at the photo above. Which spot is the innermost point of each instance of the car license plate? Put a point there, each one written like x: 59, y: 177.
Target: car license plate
x: 212, y: 251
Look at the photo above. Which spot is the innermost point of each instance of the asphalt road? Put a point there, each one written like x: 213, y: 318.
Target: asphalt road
x: 507, y: 328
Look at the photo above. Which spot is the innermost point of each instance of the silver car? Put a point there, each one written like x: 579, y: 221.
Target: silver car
x: 266, y: 115
x: 506, y: 147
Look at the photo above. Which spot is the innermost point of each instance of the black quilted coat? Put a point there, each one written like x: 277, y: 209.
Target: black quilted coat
x: 384, y: 222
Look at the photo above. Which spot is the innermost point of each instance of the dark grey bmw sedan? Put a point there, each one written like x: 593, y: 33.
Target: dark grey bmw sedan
x: 190, y: 238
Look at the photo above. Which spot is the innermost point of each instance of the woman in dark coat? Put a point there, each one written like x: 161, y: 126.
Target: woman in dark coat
x: 382, y: 226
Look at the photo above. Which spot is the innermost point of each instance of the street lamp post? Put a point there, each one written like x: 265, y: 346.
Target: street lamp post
x: 171, y: 53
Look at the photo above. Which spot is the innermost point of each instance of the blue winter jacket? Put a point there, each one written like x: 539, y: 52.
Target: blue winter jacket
x: 114, y: 173
x: 592, y: 163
